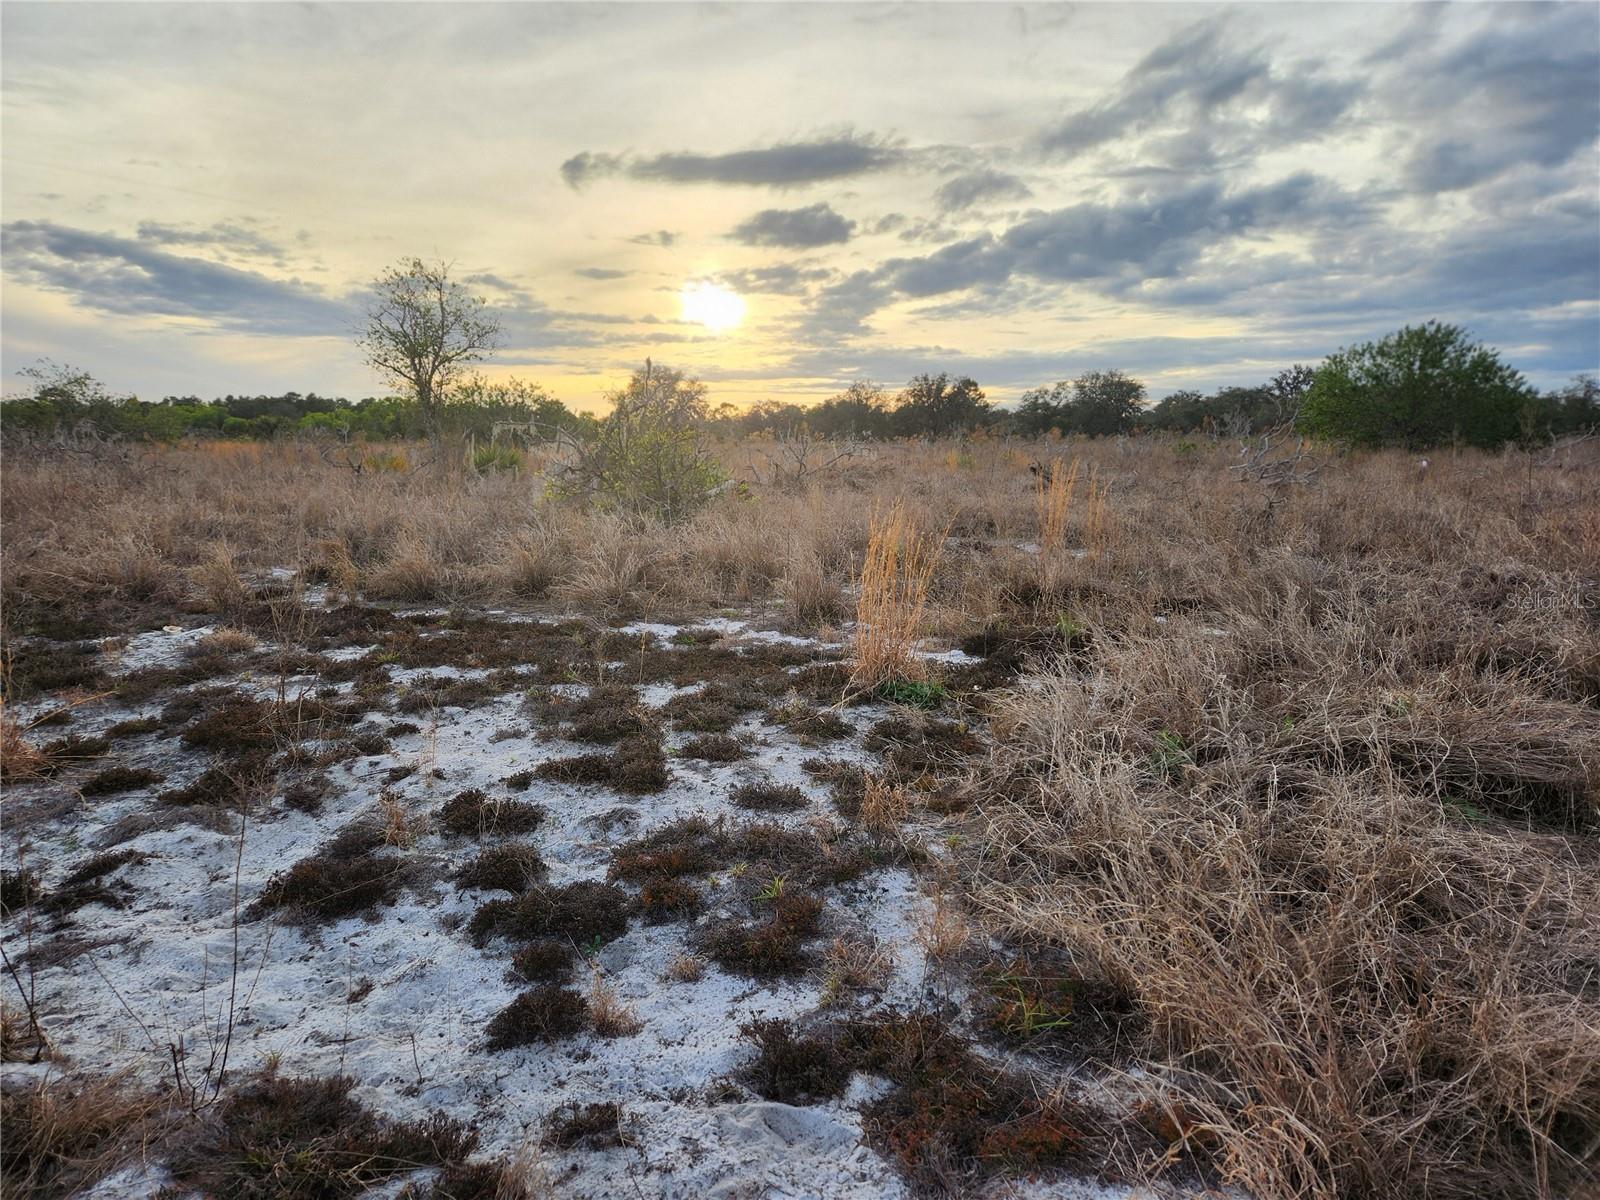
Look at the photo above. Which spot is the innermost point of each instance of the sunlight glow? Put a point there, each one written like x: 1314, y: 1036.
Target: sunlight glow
x: 717, y: 308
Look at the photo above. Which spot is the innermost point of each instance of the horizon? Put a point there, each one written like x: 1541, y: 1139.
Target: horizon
x: 782, y: 199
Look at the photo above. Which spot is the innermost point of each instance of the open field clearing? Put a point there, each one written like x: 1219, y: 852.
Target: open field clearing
x: 998, y: 818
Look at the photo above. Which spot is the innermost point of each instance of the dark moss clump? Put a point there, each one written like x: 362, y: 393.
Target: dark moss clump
x: 473, y: 814
x: 792, y: 1068
x: 767, y: 946
x: 665, y: 898
x: 237, y: 723
x: 607, y: 714
x: 954, y: 1116
x: 69, y: 751
x: 637, y: 766
x: 134, y: 727
x: 544, y: 960
x: 586, y: 913
x: 305, y: 795
x: 847, y: 783
x: 39, y: 668
x: 714, y: 747
x: 819, y: 724
x: 100, y: 865
x: 518, y: 781
x: 437, y: 691
x: 512, y: 869
x: 715, y: 708
x: 224, y: 785
x: 402, y: 729
x: 766, y: 796
x: 18, y: 890
x: 371, y: 743
x: 347, y: 876
x: 544, y: 1013
x: 119, y: 779
x: 687, y: 847
x: 275, y: 1137
x: 916, y: 745
x: 584, y: 1126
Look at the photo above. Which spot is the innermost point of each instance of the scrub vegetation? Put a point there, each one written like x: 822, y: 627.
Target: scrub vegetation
x: 1176, y: 808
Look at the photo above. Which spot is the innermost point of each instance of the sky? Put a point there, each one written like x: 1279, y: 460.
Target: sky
x: 195, y: 198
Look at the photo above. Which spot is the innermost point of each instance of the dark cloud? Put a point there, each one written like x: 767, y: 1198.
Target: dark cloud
x: 794, y: 228
x: 225, y: 235
x: 601, y: 273
x: 976, y: 187
x: 659, y: 237
x: 778, y: 279
x: 1520, y: 93
x: 789, y: 164
x: 1200, y: 101
x: 130, y: 277
x: 1121, y: 243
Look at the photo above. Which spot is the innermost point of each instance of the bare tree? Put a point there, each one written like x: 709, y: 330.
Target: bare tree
x: 422, y: 329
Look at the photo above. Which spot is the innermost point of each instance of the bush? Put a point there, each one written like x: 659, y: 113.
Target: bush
x: 1420, y: 387
x: 647, y: 456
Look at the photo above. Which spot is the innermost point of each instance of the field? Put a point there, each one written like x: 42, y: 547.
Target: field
x: 1084, y: 819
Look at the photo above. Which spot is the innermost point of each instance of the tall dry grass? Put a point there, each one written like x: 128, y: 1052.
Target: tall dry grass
x: 1337, y: 837
x: 896, y: 573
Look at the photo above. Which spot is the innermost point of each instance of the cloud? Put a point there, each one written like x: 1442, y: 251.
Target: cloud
x: 794, y: 228
x: 978, y: 186
x: 778, y: 279
x: 129, y: 277
x: 1204, y: 102
x: 659, y: 237
x: 786, y: 165
x: 1519, y: 93
x: 226, y: 235
x: 601, y: 273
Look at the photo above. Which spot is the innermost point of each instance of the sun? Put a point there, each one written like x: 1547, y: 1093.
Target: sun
x: 717, y: 308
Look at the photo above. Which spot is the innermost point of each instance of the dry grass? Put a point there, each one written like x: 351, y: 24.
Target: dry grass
x: 611, y: 1016
x: 1313, y: 779
x: 64, y: 1132
x: 884, y: 806
x: 1353, y: 888
x: 896, y: 573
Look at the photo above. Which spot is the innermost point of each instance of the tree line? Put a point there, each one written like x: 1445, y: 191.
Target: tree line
x: 1422, y: 386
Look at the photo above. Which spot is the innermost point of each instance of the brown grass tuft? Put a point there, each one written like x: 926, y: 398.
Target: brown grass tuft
x: 895, y: 576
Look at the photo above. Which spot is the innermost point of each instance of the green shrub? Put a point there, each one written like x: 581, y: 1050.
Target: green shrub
x: 1420, y: 387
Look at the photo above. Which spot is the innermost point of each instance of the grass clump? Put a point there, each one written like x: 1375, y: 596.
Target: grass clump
x: 795, y: 1068
x: 115, y: 780
x: 543, y: 960
x: 347, y: 876
x: 895, y: 577
x: 912, y: 693
x: 472, y: 813
x: 714, y: 748
x: 767, y: 946
x: 767, y: 796
x: 596, y: 1126
x: 513, y: 869
x: 587, y: 913
x: 637, y: 766
x: 608, y: 713
x: 545, y: 1013
x: 275, y: 1137
x: 19, y: 889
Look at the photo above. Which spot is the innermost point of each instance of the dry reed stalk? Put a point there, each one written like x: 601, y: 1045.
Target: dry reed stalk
x: 1052, y: 501
x: 895, y: 575
x: 1096, y: 524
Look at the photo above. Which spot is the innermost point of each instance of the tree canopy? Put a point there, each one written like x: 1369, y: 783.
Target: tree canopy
x: 1425, y: 385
